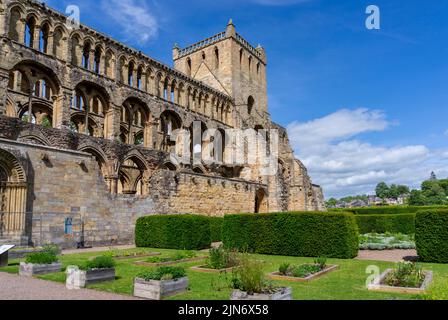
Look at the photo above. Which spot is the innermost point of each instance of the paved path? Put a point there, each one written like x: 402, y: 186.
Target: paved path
x: 387, y: 255
x: 14, y: 287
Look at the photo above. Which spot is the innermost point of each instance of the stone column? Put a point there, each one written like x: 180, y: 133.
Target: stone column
x: 61, y: 109
x: 91, y: 60
x: 36, y: 37
x: 4, y: 79
x: 50, y: 44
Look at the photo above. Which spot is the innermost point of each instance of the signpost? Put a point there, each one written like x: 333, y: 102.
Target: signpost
x: 4, y: 254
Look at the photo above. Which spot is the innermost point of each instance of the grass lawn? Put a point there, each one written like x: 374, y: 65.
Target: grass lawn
x: 347, y: 283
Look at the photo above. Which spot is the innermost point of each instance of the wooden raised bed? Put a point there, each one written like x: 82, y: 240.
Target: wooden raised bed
x: 29, y: 269
x: 77, y: 279
x: 279, y: 294
x: 278, y: 276
x: 167, y: 263
x: 151, y: 254
x: 205, y: 269
x: 377, y: 285
x: 157, y: 290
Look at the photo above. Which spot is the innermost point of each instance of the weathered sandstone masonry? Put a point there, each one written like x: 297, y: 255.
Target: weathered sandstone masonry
x: 87, y: 132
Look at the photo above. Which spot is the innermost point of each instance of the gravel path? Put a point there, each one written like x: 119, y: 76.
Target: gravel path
x: 13, y: 287
x: 387, y: 255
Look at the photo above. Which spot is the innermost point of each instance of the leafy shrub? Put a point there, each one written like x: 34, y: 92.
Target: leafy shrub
x: 163, y: 273
x: 407, y: 275
x: 101, y: 262
x: 389, y: 209
x: 382, y: 223
x: 284, y: 268
x: 51, y: 248
x: 216, y: 228
x: 431, y: 235
x: 306, y: 234
x: 249, y: 277
x: 190, y: 232
x: 41, y: 258
x: 305, y: 270
x: 222, y: 258
x: 177, y: 256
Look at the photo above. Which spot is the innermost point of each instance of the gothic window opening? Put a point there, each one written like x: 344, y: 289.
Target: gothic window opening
x: 131, y: 74
x: 97, y: 62
x: 86, y: 56
x: 44, y: 34
x: 189, y: 67
x: 30, y: 27
x: 139, y: 78
x: 250, y: 104
x: 216, y: 58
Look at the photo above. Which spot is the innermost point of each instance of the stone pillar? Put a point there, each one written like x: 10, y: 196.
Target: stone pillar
x: 4, y: 79
x: 36, y: 37
x: 50, y: 44
x: 61, y: 109
x: 21, y: 30
x: 91, y: 60
x: 134, y: 78
x: 112, y: 183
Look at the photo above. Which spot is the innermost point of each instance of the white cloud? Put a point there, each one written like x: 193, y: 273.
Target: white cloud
x: 135, y: 18
x: 344, y: 165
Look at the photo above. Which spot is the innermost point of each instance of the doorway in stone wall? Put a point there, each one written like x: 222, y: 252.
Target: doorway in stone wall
x: 261, y: 201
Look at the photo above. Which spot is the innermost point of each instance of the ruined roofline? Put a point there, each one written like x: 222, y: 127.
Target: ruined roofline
x: 130, y: 50
x: 257, y: 52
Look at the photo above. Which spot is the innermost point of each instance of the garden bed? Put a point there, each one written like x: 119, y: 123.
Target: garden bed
x: 407, y: 277
x: 167, y: 263
x: 77, y: 279
x: 387, y: 241
x: 30, y: 269
x: 159, y: 289
x: 278, y: 276
x: 378, y: 284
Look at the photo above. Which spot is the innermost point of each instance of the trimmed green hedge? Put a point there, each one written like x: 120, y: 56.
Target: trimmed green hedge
x: 382, y: 223
x: 185, y: 232
x: 388, y: 209
x: 303, y: 234
x: 216, y: 224
x: 431, y: 235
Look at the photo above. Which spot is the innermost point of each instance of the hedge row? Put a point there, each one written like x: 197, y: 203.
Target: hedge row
x: 382, y: 223
x: 185, y: 232
x: 216, y: 224
x: 304, y: 234
x: 388, y: 209
x: 431, y: 235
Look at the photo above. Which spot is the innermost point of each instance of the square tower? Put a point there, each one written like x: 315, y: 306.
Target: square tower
x: 230, y: 64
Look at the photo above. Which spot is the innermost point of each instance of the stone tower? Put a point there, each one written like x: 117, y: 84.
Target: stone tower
x: 228, y: 63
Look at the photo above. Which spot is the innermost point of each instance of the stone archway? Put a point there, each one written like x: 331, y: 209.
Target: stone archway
x: 261, y: 203
x: 13, y: 192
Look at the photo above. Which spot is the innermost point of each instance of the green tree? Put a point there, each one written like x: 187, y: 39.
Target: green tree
x: 382, y: 190
x: 433, y: 192
x: 433, y: 176
x: 403, y: 190
x: 417, y: 198
x: 331, y: 202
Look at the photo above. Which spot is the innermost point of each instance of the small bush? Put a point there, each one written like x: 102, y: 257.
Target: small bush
x: 101, y: 262
x: 163, y: 273
x: 303, y: 234
x: 382, y: 223
x: 249, y: 277
x: 431, y: 235
x: 303, y: 270
x: 185, y: 232
x: 216, y: 228
x: 51, y: 248
x: 221, y: 258
x: 41, y: 258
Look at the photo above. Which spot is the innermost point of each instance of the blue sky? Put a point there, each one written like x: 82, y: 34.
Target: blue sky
x: 361, y: 106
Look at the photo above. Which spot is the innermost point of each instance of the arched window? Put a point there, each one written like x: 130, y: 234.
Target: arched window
x: 250, y: 64
x: 165, y: 89
x: 203, y: 56
x: 29, y: 32
x: 43, y: 41
x: 86, y: 56
x: 97, y: 62
x: 139, y: 78
x: 15, y: 24
x: 131, y: 74
x: 241, y: 57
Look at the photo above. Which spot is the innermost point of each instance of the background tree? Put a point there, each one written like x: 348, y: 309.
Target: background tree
x: 382, y: 190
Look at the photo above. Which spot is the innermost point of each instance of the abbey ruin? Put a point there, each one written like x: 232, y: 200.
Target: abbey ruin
x: 87, y: 125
